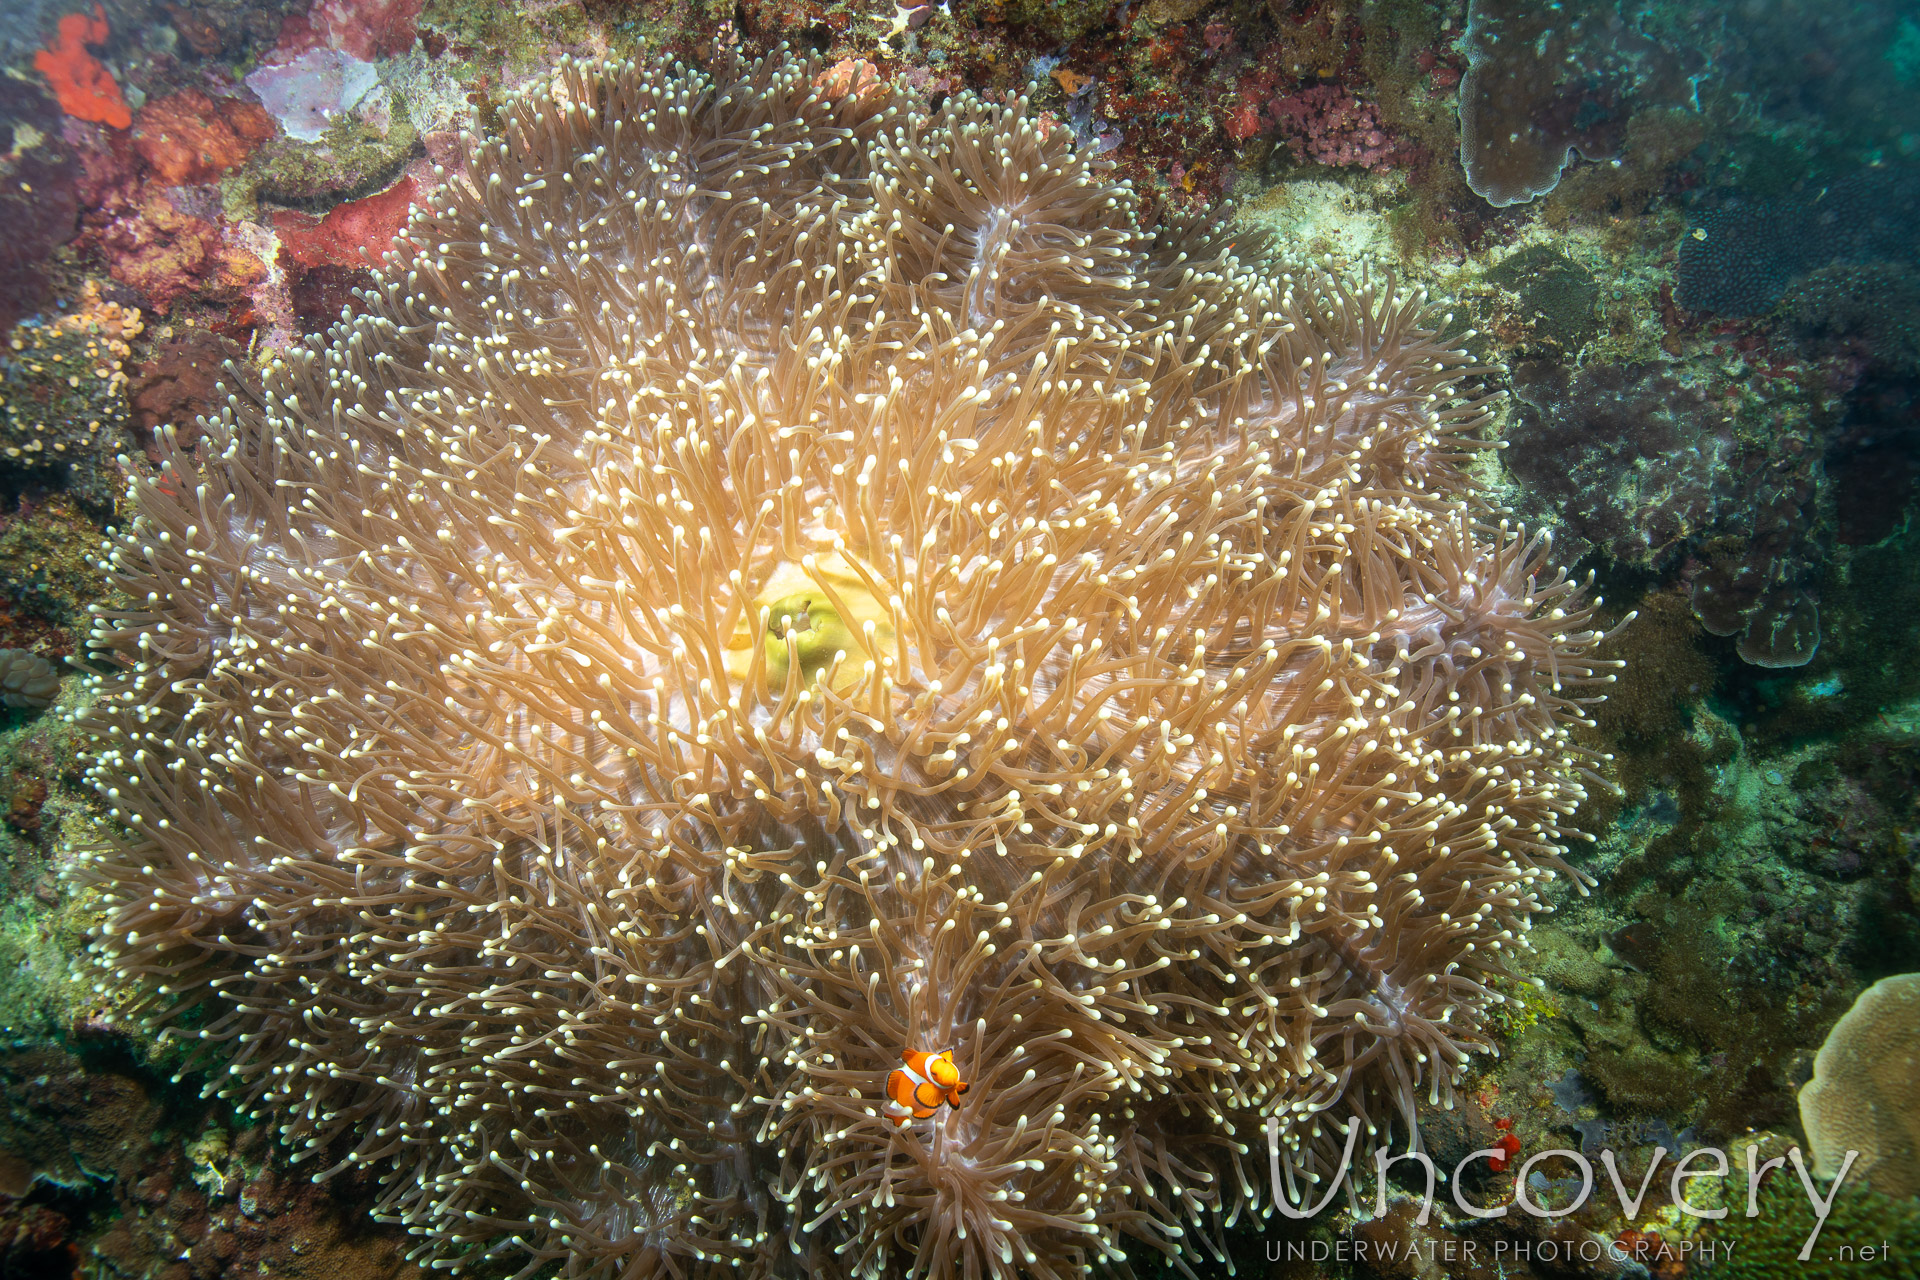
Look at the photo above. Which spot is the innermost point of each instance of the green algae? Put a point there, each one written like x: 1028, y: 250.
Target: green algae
x: 46, y: 991
x: 494, y: 41
x: 1866, y: 1234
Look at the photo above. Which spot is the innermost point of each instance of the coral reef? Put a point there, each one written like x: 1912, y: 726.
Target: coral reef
x: 27, y: 679
x: 1870, y: 312
x: 1866, y: 1233
x: 1556, y: 299
x: 354, y: 234
x: 1665, y: 675
x: 1738, y: 898
x: 49, y: 575
x: 182, y: 1197
x: 1712, y: 340
x: 771, y: 583
x: 1652, y: 468
x: 159, y: 240
x: 354, y: 159
x: 188, y: 137
x: 227, y: 30
x: 307, y: 94
x: 365, y: 29
x: 1325, y: 124
x: 177, y: 381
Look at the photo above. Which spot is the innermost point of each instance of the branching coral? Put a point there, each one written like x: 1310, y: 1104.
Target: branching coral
x: 772, y: 582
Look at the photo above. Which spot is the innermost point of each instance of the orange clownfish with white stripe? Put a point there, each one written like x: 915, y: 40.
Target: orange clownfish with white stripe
x: 917, y: 1090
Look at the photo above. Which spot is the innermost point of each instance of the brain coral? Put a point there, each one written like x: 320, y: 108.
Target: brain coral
x: 772, y: 583
x: 1861, y: 1098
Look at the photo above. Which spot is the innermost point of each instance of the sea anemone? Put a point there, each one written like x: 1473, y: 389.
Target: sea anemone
x: 773, y: 582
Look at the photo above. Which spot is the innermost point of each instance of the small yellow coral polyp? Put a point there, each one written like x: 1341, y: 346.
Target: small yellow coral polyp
x: 820, y: 614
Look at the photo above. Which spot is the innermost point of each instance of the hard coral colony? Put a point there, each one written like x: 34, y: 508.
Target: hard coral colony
x: 773, y: 584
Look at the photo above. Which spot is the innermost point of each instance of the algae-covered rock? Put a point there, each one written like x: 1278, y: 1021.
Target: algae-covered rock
x: 1866, y: 1234
x: 63, y: 398
x: 352, y: 158
x: 1562, y: 961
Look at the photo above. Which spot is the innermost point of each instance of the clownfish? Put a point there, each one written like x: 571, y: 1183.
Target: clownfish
x: 916, y: 1090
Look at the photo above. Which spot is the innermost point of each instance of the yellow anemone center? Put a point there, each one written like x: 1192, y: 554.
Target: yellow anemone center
x: 814, y: 614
